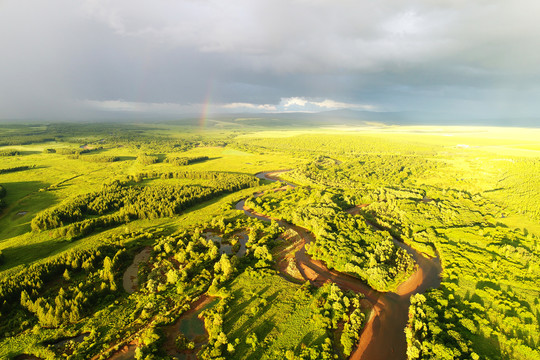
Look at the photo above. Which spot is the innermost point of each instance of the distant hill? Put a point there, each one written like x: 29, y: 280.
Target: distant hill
x: 342, y: 117
x: 348, y: 117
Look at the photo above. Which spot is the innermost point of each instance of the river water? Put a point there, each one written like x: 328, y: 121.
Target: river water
x: 383, y: 336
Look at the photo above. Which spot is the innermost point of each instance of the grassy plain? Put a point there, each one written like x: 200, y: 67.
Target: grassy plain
x: 493, y: 262
x: 277, y: 311
x: 72, y: 177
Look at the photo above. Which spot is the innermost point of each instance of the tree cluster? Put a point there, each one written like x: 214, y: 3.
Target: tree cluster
x: 102, y: 158
x: 15, y: 169
x: 119, y: 202
x: 182, y: 161
x: 9, y: 152
x: 346, y: 243
x: 87, y: 276
x: 366, y: 171
x: 145, y: 159
x: 333, y: 307
x: 23, y: 139
x: 218, y: 344
x: 75, y: 151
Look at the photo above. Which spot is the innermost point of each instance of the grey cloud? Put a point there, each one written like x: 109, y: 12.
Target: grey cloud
x: 477, y: 56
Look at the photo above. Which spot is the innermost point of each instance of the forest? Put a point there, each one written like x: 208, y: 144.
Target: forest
x: 165, y: 241
x: 342, y: 241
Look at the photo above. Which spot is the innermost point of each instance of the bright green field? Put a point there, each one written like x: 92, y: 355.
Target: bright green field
x: 491, y: 263
x: 277, y: 311
x: 76, y: 176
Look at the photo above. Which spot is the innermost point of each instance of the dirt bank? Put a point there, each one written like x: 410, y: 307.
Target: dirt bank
x: 383, y: 336
x: 198, y: 337
x: 130, y: 281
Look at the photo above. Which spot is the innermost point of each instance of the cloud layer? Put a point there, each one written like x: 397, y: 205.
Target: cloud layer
x: 69, y: 59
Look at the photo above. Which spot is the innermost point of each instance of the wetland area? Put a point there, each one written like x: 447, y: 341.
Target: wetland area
x: 371, y: 245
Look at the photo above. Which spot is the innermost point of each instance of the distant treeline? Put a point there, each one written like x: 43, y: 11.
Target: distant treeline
x: 24, y: 139
x: 9, y: 152
x: 364, y: 171
x: 216, y: 176
x: 181, y: 161
x: 343, y: 146
x: 114, y: 135
x: 74, y: 151
x: 121, y: 201
x: 102, y: 158
x: 15, y: 169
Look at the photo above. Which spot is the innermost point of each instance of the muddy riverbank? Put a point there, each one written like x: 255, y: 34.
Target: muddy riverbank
x: 383, y: 336
x: 130, y: 280
x: 192, y: 327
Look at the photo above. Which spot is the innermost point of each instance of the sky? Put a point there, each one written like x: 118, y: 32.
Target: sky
x: 85, y: 59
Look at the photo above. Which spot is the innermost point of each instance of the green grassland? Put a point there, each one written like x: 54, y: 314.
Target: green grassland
x: 470, y: 195
x: 277, y: 311
x: 71, y: 177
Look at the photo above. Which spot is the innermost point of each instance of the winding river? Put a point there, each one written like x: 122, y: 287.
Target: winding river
x: 383, y: 336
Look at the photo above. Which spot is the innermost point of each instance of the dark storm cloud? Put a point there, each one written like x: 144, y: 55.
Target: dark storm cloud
x: 72, y: 59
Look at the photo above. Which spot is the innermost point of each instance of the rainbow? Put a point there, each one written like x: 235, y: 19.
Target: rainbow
x: 205, y: 107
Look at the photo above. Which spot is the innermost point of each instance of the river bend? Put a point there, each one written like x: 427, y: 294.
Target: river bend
x: 383, y: 336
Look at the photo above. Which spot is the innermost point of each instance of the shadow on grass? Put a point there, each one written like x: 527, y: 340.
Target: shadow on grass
x: 161, y: 157
x: 22, y: 168
x: 205, y: 160
x: 253, y: 322
x: 262, y: 331
x: 93, y: 151
x: 28, y: 152
x: 239, y: 308
x: 204, y: 204
x: 126, y: 158
x: 28, y: 253
x: 25, y: 196
x: 306, y: 340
